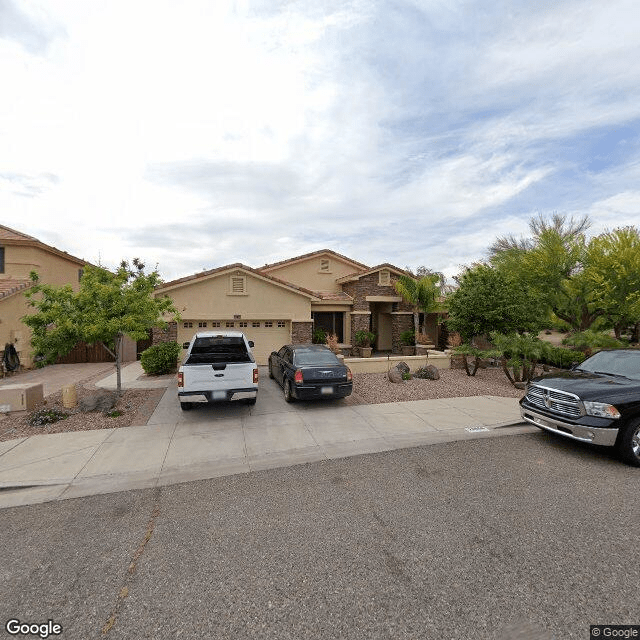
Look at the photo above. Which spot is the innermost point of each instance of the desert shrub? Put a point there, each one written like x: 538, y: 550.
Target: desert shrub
x: 46, y: 416
x: 364, y: 338
x: 319, y: 336
x: 408, y: 338
x: 160, y: 358
x: 562, y: 357
x: 589, y: 340
x: 406, y: 376
x: 477, y: 355
x: 332, y: 342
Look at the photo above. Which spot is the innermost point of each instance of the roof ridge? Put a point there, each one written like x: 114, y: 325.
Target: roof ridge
x: 308, y: 255
x: 18, y: 235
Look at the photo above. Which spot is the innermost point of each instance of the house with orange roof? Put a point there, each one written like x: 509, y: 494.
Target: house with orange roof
x: 20, y: 254
x: 284, y: 302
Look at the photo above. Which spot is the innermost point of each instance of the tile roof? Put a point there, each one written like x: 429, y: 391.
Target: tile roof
x: 385, y: 265
x: 309, y: 255
x: 333, y: 295
x: 230, y: 267
x: 7, y: 233
x: 9, y: 286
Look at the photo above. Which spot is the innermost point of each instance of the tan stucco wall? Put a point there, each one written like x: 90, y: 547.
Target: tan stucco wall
x: 12, y: 329
x: 208, y: 299
x: 307, y: 274
x: 52, y: 269
x: 379, y: 365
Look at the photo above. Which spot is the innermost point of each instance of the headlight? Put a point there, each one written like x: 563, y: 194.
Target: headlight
x: 601, y: 409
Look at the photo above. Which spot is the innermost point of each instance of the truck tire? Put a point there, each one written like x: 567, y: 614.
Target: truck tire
x: 288, y: 396
x: 629, y: 443
x: 251, y: 400
x: 185, y: 406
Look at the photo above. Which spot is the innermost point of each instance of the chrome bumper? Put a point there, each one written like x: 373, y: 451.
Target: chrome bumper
x: 593, y: 435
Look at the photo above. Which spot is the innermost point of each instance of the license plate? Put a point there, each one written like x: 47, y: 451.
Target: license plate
x: 219, y: 395
x: 326, y: 390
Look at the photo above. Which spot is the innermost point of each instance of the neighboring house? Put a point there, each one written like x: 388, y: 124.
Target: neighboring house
x: 283, y: 302
x: 21, y: 254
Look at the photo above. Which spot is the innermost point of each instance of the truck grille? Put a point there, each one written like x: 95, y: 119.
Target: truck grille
x: 559, y: 401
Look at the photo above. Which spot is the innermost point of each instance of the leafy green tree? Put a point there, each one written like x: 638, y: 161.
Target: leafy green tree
x: 488, y: 300
x: 551, y: 265
x: 423, y: 292
x: 107, y: 307
x: 613, y: 270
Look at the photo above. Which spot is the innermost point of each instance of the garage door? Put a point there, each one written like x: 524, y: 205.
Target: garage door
x: 267, y: 335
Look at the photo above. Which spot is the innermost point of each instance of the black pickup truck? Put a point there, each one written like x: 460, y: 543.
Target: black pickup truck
x: 597, y: 401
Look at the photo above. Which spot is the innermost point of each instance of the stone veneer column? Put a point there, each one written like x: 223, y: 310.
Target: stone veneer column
x: 359, y: 322
x: 170, y: 334
x: 400, y: 322
x: 301, y: 332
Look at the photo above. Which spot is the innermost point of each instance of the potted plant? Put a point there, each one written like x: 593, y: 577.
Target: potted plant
x: 364, y: 340
x: 319, y: 336
x: 408, y: 341
x: 423, y: 344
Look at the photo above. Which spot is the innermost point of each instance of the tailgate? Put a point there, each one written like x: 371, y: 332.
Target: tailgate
x: 212, y: 377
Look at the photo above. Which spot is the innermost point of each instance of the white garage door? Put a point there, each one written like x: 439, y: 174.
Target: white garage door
x: 267, y: 335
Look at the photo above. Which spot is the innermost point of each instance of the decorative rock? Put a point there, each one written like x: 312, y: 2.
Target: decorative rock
x: 395, y: 375
x: 103, y: 401
x: 427, y: 373
x: 402, y: 367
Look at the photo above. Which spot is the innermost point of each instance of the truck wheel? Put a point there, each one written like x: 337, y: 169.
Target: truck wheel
x: 629, y: 443
x: 270, y: 370
x: 251, y: 400
x: 185, y: 406
x: 288, y: 396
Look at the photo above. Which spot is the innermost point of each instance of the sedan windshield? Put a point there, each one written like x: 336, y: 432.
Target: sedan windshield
x: 615, y: 363
x: 315, y: 357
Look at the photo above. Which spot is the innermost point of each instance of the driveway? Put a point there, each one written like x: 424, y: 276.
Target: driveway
x: 234, y: 438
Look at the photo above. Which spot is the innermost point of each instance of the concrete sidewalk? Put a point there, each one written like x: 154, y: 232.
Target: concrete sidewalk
x: 226, y: 439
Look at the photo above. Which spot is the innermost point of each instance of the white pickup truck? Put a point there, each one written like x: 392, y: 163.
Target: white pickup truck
x: 218, y: 366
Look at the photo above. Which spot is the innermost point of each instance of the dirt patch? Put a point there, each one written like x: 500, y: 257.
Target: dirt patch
x: 134, y: 407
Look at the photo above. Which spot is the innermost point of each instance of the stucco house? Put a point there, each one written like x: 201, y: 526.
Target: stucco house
x: 283, y: 302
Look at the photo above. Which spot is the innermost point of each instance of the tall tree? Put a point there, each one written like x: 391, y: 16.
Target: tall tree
x: 422, y: 292
x: 488, y: 300
x: 107, y: 307
x: 613, y: 270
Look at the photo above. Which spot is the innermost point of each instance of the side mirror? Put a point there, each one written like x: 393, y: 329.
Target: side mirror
x: 251, y: 343
x: 185, y: 345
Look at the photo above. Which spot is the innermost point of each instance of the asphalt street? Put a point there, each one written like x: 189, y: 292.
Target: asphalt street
x: 522, y: 536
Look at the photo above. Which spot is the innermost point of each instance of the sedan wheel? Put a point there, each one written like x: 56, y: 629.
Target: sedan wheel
x: 185, y: 406
x: 629, y: 443
x: 288, y: 396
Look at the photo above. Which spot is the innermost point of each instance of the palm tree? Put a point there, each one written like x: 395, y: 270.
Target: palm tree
x: 422, y: 292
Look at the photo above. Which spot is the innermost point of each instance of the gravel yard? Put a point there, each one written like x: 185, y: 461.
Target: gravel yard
x: 375, y: 388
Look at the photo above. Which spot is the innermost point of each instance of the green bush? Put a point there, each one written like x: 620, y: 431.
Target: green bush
x: 562, y: 357
x: 364, y: 338
x: 46, y: 416
x: 160, y: 358
x: 593, y: 340
x: 319, y: 336
x: 408, y: 338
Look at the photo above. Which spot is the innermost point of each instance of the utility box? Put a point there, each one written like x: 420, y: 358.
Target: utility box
x: 20, y: 397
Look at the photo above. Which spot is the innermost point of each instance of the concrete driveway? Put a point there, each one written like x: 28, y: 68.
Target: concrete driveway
x: 234, y: 438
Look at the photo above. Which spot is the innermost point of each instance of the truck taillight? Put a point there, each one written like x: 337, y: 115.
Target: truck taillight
x: 349, y: 375
x: 180, y: 379
x: 297, y: 377
x: 255, y: 376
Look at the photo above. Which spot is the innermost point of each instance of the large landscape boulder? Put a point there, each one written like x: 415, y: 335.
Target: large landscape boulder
x: 395, y: 373
x: 427, y: 373
x: 103, y: 401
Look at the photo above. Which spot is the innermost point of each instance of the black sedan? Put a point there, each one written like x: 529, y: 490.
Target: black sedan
x: 307, y: 371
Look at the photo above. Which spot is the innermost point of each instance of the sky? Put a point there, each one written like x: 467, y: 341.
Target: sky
x: 198, y: 134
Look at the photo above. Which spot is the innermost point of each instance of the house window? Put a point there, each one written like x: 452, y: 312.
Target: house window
x: 330, y: 321
x: 80, y: 272
x: 237, y: 285
x: 324, y: 265
x: 268, y: 324
x: 1, y: 259
x: 215, y: 325
x: 281, y: 324
x: 229, y: 325
x: 188, y: 325
x: 255, y: 324
x: 384, y: 278
x: 243, y: 324
x: 202, y: 325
